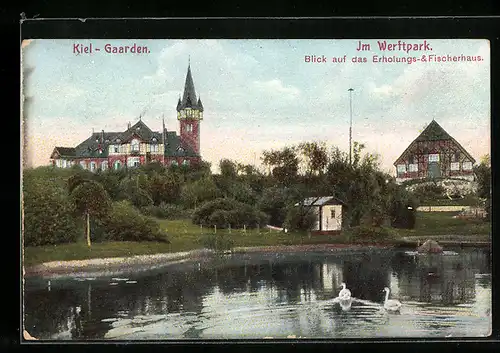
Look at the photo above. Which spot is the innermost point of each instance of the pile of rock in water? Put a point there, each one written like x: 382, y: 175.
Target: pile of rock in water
x: 430, y: 246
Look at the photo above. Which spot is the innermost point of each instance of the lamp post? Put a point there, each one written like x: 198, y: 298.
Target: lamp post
x: 350, y: 125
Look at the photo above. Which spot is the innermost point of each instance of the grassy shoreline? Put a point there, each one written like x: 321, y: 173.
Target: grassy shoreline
x: 184, y: 236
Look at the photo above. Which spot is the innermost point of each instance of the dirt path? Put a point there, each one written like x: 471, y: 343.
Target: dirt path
x: 116, y: 265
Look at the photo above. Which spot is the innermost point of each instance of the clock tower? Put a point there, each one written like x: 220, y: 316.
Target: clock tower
x: 190, y: 114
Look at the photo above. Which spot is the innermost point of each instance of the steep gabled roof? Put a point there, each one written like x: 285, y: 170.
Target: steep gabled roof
x: 434, y: 132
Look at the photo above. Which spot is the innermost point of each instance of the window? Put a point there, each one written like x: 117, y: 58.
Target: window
x: 332, y: 213
x: 189, y: 127
x: 455, y: 166
x: 104, y: 165
x: 174, y: 163
x: 401, y: 168
x: 434, y: 157
x: 135, y: 145
x: 117, y: 165
x: 133, y: 162
x: 123, y: 148
x: 154, y: 148
x: 92, y: 166
x: 467, y: 166
x: 83, y: 164
x: 413, y: 167
x: 185, y: 162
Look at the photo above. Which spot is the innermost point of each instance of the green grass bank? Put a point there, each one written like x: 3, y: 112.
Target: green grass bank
x: 185, y: 236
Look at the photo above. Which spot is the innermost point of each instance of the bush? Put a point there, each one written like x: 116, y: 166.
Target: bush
x: 126, y: 223
x: 429, y: 191
x: 217, y: 242
x: 372, y: 233
x: 225, y: 212
x: 300, y: 218
x: 164, y: 211
x: 48, y: 213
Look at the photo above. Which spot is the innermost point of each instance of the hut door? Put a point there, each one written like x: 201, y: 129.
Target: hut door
x: 434, y: 171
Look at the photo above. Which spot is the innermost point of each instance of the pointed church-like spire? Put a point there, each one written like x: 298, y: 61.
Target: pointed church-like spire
x: 189, y: 96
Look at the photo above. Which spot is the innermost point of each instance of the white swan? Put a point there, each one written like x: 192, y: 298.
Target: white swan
x: 345, y: 293
x: 391, y: 304
x: 345, y: 304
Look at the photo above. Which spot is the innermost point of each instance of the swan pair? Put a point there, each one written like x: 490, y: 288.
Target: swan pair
x: 345, y: 299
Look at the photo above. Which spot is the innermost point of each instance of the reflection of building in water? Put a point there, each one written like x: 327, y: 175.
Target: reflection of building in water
x: 445, y: 279
x: 331, y: 274
x: 394, y: 285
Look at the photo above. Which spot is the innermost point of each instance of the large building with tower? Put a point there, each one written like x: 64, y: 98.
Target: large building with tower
x: 138, y: 144
x: 434, y: 154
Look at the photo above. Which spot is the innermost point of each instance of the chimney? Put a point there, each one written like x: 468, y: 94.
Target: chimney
x: 102, y: 136
x: 128, y: 125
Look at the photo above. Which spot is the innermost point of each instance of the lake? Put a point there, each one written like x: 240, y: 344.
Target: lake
x: 253, y: 296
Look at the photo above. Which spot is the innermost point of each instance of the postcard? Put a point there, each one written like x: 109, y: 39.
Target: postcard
x: 250, y: 189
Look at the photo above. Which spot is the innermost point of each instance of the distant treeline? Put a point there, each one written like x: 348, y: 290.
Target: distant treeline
x: 61, y: 204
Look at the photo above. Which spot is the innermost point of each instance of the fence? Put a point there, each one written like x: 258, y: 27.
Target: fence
x: 443, y: 208
x: 267, y: 229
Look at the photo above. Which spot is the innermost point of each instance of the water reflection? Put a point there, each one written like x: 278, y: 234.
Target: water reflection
x: 269, y: 295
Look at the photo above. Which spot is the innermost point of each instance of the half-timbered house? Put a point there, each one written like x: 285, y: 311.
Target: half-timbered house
x: 434, y: 154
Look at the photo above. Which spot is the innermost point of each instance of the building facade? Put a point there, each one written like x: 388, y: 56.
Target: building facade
x: 138, y: 144
x: 328, y: 212
x: 434, y: 154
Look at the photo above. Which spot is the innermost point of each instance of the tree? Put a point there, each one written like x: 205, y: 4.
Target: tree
x: 300, y: 218
x: 483, y: 177
x: 200, y: 191
x: 315, y: 156
x: 90, y: 199
x: 284, y: 164
x: 47, y: 211
x: 228, y: 169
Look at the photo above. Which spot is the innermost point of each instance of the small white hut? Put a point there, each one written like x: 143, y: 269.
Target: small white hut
x: 328, y: 210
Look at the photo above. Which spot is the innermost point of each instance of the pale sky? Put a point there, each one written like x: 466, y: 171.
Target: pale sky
x: 258, y: 94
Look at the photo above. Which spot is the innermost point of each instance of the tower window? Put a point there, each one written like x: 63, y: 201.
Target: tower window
x: 189, y: 128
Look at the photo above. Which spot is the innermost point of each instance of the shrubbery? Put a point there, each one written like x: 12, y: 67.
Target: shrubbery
x: 225, y: 212
x: 48, y: 213
x: 126, y: 223
x: 164, y: 211
x: 300, y: 218
x: 364, y: 233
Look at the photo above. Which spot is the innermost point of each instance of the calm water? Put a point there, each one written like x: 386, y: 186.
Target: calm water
x: 272, y: 295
